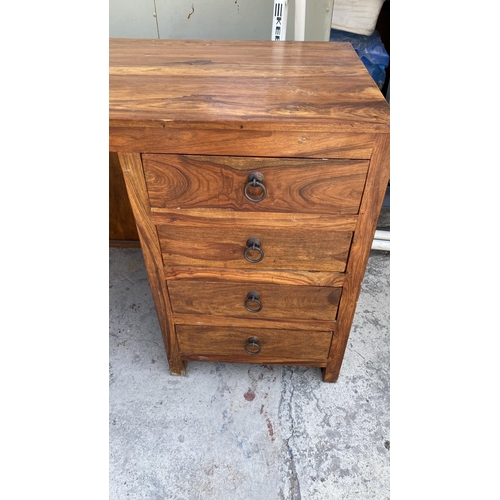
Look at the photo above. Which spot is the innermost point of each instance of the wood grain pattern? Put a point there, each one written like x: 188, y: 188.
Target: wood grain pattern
x: 284, y: 249
x: 300, y: 278
x: 227, y: 219
x: 278, y: 301
x: 378, y: 176
x: 292, y: 185
x: 136, y: 188
x: 121, y: 219
x: 171, y: 138
x: 235, y: 322
x: 275, y: 344
x: 320, y: 85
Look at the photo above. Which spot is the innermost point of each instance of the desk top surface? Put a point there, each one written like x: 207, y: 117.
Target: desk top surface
x: 256, y: 85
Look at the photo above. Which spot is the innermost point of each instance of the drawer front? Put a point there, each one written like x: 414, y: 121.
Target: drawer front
x: 267, y: 248
x: 254, y: 300
x: 250, y: 345
x: 286, y: 185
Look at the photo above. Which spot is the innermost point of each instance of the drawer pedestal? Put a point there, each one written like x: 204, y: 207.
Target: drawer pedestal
x: 256, y: 172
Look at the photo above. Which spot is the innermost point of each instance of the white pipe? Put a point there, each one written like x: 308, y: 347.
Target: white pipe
x: 382, y: 235
x: 381, y: 245
x: 382, y: 241
x: 300, y: 20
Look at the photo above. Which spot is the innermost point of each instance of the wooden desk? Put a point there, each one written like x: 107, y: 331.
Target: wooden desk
x: 256, y: 172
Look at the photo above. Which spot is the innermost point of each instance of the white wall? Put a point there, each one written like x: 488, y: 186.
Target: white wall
x: 211, y: 19
x: 132, y: 19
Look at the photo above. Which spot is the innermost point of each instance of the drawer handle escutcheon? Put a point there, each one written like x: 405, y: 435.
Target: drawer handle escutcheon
x: 252, y: 346
x: 253, y: 298
x: 253, y: 244
x: 255, y: 179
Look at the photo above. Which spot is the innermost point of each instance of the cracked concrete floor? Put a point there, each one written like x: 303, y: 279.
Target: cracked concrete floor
x: 247, y: 432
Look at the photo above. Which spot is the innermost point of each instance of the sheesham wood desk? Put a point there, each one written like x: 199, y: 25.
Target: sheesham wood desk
x: 256, y: 172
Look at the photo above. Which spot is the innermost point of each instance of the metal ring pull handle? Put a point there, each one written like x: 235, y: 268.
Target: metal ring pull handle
x: 253, y: 298
x: 252, y: 346
x: 253, y: 244
x: 255, y: 179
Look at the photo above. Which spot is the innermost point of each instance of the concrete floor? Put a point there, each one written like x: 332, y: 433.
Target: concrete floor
x: 245, y: 432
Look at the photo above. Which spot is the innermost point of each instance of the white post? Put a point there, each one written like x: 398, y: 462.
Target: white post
x: 300, y: 20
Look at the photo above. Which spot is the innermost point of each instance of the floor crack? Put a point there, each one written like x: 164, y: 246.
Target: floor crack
x: 286, y: 411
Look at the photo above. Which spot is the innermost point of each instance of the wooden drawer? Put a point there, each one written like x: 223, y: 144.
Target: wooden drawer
x: 291, y: 184
x: 282, y: 248
x: 213, y: 343
x: 264, y: 301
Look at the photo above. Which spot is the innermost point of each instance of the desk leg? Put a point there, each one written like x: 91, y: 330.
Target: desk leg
x: 131, y: 165
x: 369, y: 212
